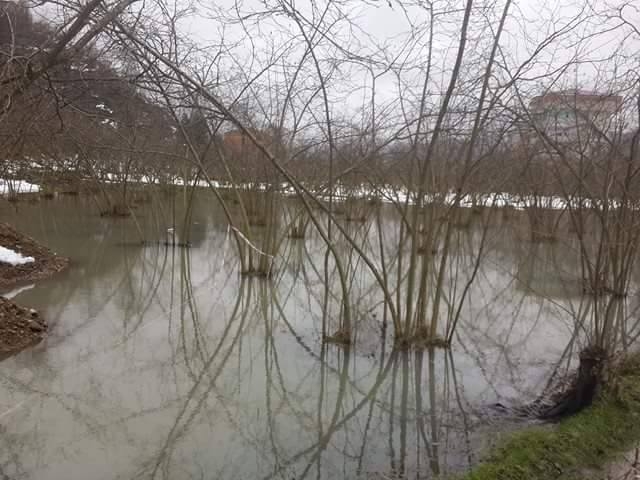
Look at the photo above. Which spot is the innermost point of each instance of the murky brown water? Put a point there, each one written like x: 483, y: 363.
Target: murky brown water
x: 163, y: 363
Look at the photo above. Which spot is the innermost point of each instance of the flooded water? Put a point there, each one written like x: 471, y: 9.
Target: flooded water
x: 164, y: 363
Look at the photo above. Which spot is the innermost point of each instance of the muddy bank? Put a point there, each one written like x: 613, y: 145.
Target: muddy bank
x: 45, y: 263
x: 19, y: 328
x: 22, y: 327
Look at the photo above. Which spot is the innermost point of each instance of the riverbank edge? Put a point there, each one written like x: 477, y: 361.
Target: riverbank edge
x: 22, y: 327
x: 583, y: 443
x: 45, y: 262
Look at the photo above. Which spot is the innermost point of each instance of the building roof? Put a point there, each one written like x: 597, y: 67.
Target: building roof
x: 576, y: 99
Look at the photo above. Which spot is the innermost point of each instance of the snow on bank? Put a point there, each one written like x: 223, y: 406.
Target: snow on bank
x: 17, y: 186
x: 399, y: 195
x: 385, y: 193
x: 13, y: 258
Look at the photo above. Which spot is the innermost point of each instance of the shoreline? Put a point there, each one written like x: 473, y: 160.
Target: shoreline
x: 22, y: 327
x: 581, y: 447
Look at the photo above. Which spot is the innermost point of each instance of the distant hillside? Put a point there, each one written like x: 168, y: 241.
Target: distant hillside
x: 81, y: 107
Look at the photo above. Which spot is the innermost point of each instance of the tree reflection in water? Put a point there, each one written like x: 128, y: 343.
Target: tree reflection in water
x: 165, y: 363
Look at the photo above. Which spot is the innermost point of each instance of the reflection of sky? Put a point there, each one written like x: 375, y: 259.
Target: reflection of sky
x: 159, y: 360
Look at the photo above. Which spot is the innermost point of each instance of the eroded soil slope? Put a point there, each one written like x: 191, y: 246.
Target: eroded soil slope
x: 22, y: 327
x: 46, y: 262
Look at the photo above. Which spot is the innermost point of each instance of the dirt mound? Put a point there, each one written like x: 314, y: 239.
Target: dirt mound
x: 46, y: 262
x: 22, y: 327
x: 19, y: 328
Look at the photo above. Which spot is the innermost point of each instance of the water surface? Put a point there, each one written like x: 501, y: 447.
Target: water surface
x: 164, y: 363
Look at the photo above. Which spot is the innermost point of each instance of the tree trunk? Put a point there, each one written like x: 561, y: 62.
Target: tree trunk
x: 581, y: 394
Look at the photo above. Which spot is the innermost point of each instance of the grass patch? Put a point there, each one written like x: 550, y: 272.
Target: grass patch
x: 587, y: 440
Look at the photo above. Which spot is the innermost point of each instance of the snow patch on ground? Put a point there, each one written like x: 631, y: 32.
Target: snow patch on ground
x: 13, y: 258
x: 104, y: 108
x: 17, y: 186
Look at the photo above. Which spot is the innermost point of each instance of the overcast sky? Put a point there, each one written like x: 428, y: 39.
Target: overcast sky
x: 390, y: 41
x: 371, y: 26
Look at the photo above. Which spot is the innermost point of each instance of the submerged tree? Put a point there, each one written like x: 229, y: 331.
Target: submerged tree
x: 260, y: 115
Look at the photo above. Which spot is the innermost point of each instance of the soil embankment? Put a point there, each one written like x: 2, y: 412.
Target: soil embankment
x: 22, y: 327
x: 45, y: 263
x: 19, y: 328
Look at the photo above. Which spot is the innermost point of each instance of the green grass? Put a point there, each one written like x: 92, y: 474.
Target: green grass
x: 587, y: 440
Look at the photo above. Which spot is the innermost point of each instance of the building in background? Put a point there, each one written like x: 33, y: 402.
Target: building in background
x: 575, y: 117
x: 239, y: 145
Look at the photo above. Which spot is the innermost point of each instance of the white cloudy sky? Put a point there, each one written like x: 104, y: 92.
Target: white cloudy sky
x: 588, y: 39
x: 603, y: 54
